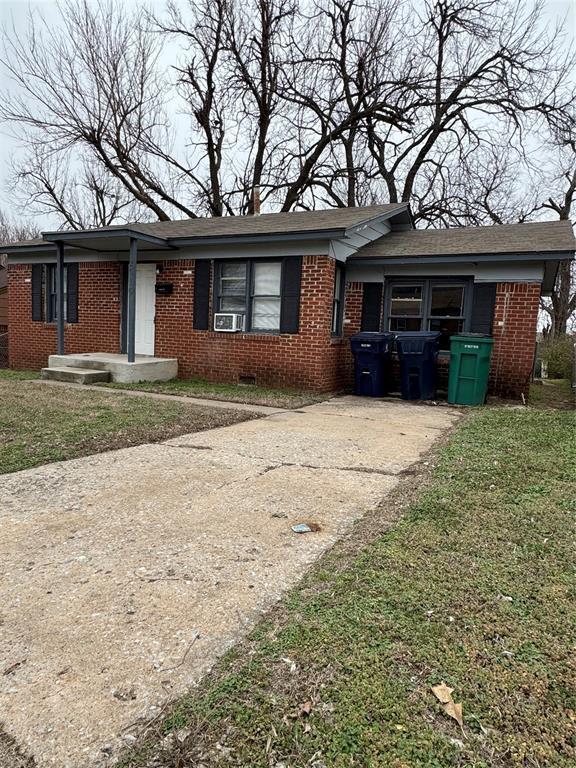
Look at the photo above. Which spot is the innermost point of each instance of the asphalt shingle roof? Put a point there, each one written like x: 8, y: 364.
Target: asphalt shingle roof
x: 538, y: 237
x: 265, y: 224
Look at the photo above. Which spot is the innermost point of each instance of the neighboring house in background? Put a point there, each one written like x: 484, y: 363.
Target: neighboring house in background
x: 3, y: 299
x: 299, y: 283
x: 3, y: 317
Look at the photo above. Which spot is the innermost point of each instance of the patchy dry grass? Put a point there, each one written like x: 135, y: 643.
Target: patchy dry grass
x: 552, y: 393
x: 236, y: 393
x: 40, y: 423
x: 474, y: 586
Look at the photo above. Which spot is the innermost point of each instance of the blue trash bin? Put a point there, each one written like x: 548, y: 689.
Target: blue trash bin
x: 371, y: 352
x: 418, y: 353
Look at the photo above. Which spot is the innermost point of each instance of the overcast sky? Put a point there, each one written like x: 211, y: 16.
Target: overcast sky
x: 14, y: 13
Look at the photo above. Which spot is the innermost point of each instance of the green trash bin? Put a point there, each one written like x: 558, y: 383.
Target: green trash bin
x: 469, y: 368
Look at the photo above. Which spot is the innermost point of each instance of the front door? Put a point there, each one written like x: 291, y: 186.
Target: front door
x: 145, y: 308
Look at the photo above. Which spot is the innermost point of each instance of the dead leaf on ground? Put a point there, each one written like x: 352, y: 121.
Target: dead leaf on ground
x: 442, y: 692
x: 303, y: 711
x: 453, y: 709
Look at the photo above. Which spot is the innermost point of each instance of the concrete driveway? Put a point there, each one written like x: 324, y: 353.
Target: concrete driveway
x: 125, y: 575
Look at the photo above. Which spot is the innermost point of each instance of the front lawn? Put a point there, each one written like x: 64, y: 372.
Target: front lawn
x: 236, y: 393
x: 41, y: 423
x: 473, y: 587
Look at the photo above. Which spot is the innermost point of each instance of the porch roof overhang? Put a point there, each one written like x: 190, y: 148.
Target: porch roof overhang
x: 340, y: 232
x: 109, y: 241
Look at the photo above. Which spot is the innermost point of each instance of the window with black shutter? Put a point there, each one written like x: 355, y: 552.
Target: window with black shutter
x: 44, y: 296
x: 265, y: 292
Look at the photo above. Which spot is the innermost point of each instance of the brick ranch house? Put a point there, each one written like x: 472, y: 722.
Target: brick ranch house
x: 301, y: 283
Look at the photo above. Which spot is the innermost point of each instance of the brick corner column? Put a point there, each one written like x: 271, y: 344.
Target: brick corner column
x: 515, y: 325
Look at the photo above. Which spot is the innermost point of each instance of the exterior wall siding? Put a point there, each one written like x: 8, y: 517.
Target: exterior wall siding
x: 98, y: 329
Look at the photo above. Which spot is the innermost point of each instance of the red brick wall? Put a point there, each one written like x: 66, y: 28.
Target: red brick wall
x: 98, y: 329
x: 309, y: 359
x: 515, y: 323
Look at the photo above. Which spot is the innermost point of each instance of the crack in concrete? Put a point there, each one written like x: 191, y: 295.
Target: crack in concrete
x: 280, y: 464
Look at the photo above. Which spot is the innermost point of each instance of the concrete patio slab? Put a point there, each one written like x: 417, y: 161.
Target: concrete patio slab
x: 126, y: 575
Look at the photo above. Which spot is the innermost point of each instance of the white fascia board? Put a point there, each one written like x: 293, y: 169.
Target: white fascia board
x: 358, y: 236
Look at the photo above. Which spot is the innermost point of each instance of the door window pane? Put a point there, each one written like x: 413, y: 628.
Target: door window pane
x: 447, y: 301
x: 406, y: 300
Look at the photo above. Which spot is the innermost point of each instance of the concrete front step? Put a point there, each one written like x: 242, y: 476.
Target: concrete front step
x: 144, y: 368
x: 76, y: 375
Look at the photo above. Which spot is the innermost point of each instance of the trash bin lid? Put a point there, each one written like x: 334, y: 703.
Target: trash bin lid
x: 477, y: 338
x: 417, y: 334
x: 372, y: 335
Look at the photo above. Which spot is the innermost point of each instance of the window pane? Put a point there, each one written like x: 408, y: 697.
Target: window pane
x: 265, y: 314
x: 447, y: 300
x: 447, y: 328
x: 233, y: 287
x: 233, y: 304
x: 233, y: 269
x: 406, y: 300
x: 336, y: 316
x: 232, y: 280
x: 405, y: 324
x: 337, y: 283
x: 267, y: 278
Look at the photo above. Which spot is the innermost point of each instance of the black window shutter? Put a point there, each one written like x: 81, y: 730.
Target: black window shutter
x: 291, y: 284
x: 72, y: 293
x: 483, y: 301
x: 371, y: 307
x: 201, y: 309
x: 37, y: 270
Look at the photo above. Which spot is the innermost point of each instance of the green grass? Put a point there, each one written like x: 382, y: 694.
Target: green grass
x: 237, y: 393
x: 40, y: 423
x: 8, y: 375
x: 474, y: 586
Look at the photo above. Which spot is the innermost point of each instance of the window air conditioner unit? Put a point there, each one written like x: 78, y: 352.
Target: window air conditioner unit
x: 229, y: 322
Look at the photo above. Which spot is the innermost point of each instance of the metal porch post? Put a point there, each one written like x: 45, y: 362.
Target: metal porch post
x: 131, y: 330
x: 60, y: 297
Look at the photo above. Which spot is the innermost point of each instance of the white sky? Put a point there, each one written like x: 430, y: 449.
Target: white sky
x: 15, y: 13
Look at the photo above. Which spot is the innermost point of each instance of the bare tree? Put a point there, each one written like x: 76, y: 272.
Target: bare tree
x: 561, y: 306
x: 323, y: 102
x: 484, y: 68
x: 103, y: 100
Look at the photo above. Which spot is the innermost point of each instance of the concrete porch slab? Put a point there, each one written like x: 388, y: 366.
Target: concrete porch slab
x: 144, y: 367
